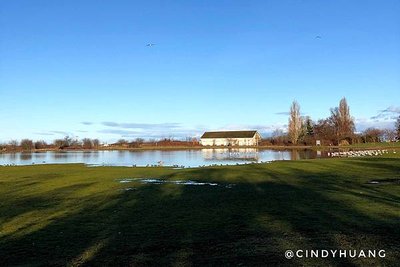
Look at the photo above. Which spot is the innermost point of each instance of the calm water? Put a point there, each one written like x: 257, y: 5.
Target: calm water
x: 187, y: 158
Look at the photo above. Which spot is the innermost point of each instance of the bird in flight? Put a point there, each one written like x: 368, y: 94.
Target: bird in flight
x: 318, y: 37
x: 150, y: 45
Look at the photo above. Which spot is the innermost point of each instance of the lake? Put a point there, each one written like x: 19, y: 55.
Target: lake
x: 187, y: 158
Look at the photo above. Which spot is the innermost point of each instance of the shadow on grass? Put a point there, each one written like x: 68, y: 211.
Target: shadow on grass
x: 390, y: 164
x: 170, y: 225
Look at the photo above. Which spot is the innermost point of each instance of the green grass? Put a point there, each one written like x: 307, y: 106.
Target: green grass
x: 382, y: 145
x: 75, y: 215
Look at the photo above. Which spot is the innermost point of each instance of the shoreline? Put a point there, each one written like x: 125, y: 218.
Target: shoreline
x: 272, y: 147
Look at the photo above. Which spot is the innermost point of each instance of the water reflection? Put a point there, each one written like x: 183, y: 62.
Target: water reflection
x: 90, y: 154
x: 294, y: 154
x: 25, y: 156
x: 187, y: 158
x: 303, y: 154
x: 61, y: 155
x: 238, y: 154
x: 39, y: 155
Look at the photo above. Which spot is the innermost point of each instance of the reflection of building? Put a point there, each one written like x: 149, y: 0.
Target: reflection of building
x: 250, y: 154
x: 230, y: 138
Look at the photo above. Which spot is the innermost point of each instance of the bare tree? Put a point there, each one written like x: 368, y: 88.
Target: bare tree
x: 342, y: 121
x: 323, y: 129
x: 194, y: 141
x: 26, y: 144
x: 13, y: 144
x: 68, y: 141
x: 295, y: 122
x: 40, y: 144
x: 397, y: 124
x: 139, y: 140
x: 278, y: 137
x: 58, y: 143
x: 96, y: 143
x: 75, y: 142
x: 373, y: 134
x: 389, y: 135
x: 87, y: 143
x: 122, y: 142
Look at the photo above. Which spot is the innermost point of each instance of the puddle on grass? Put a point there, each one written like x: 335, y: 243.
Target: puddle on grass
x: 125, y: 181
x: 189, y: 182
x: 128, y: 189
x: 177, y: 182
x: 395, y: 181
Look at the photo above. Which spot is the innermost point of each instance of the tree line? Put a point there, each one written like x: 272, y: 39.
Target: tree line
x: 87, y: 143
x: 66, y: 142
x: 337, y: 129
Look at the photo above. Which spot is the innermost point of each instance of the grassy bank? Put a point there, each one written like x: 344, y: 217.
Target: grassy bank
x: 385, y: 145
x: 75, y: 215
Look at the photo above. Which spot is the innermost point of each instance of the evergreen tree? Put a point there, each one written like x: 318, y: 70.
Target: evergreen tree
x: 309, y: 127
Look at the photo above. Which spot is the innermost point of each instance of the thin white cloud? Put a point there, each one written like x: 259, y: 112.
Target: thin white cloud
x: 141, y: 125
x: 389, y: 113
x: 118, y: 131
x: 51, y: 133
x: 43, y: 133
x: 61, y: 132
x: 153, y: 133
x: 285, y: 113
x: 364, y: 123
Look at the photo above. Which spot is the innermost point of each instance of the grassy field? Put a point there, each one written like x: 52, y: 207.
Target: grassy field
x: 72, y: 215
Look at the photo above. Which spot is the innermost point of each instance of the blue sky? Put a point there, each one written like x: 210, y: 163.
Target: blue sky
x: 82, y: 68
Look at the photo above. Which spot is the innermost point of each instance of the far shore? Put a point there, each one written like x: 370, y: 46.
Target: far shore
x: 274, y: 147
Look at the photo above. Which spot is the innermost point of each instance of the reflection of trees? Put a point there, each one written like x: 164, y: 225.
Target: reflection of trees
x: 60, y: 155
x: 279, y: 155
x: 25, y: 156
x: 39, y: 154
x: 294, y: 154
x: 250, y: 154
x: 90, y: 154
x: 297, y: 154
x: 13, y: 156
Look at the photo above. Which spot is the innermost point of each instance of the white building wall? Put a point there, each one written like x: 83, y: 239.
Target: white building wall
x: 228, y: 141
